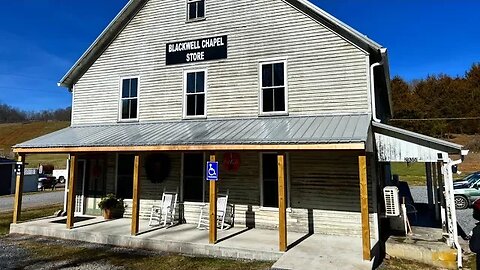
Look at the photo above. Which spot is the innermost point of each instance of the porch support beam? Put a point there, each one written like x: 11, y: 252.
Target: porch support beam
x: 212, y: 236
x: 282, y: 203
x: 362, y: 169
x: 136, y: 195
x: 71, y: 191
x: 212, y: 147
x: 17, y: 206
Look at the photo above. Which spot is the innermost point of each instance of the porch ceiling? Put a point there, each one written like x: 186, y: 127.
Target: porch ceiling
x: 288, y: 133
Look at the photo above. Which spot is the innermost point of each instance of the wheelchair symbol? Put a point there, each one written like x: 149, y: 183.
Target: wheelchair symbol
x: 212, y: 171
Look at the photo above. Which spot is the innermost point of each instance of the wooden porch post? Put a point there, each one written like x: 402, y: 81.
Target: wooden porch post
x: 362, y: 167
x: 17, y: 207
x: 212, y: 236
x: 136, y: 195
x: 282, y: 203
x: 71, y: 191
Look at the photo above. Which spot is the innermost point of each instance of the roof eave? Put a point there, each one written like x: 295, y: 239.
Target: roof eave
x: 442, y: 145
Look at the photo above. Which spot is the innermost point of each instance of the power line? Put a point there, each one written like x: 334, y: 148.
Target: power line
x: 437, y: 119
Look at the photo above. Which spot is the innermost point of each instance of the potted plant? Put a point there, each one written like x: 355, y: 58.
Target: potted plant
x: 112, y: 207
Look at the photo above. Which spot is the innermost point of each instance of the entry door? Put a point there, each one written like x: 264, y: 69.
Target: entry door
x: 80, y: 184
x: 193, y: 177
x: 95, y: 185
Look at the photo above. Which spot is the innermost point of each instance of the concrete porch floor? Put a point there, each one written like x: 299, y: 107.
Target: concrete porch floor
x: 305, y: 251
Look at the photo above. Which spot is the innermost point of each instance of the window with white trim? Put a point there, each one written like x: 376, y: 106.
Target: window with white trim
x: 195, y: 94
x: 195, y: 10
x: 269, y: 180
x: 273, y: 94
x: 129, y: 99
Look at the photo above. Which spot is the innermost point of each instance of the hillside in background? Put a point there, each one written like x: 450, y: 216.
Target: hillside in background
x: 11, y: 134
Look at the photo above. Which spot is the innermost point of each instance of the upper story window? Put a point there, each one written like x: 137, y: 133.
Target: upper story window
x: 195, y: 94
x: 129, y: 99
x: 273, y: 93
x: 195, y: 10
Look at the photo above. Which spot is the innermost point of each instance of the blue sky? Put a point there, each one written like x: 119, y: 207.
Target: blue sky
x: 41, y: 39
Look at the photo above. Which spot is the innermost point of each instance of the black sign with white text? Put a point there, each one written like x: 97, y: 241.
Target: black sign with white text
x: 199, y: 50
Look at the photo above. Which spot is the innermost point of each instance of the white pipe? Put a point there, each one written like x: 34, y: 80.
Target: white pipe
x: 453, y: 212
x: 372, y: 84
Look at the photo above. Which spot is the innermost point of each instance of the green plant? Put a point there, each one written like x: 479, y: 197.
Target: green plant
x: 111, y: 202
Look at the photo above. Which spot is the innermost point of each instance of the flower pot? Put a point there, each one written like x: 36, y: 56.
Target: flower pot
x: 107, y: 213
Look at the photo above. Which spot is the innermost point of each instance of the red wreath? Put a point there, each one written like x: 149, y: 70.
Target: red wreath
x: 231, y: 161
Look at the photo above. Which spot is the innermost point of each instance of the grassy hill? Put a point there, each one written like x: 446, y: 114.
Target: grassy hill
x: 11, y: 134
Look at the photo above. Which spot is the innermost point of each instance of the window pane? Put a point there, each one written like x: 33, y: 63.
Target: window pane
x: 191, y: 82
x: 278, y: 74
x: 268, y: 100
x: 191, y: 105
x: 279, y: 99
x: 201, y: 104
x: 193, y: 177
x: 133, y: 87
x: 125, y: 88
x: 125, y: 176
x: 200, y: 83
x: 125, y: 109
x: 270, y: 180
x: 133, y: 108
x: 270, y: 193
x: 266, y: 75
x: 269, y: 166
x: 192, y: 11
x: 201, y: 9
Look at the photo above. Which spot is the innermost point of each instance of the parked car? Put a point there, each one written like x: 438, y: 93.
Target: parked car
x: 466, y: 190
x: 46, y: 182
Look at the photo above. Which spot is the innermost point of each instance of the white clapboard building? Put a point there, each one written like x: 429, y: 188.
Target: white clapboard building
x: 289, y: 100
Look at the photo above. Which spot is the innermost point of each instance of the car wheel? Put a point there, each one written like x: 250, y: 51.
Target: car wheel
x: 461, y: 202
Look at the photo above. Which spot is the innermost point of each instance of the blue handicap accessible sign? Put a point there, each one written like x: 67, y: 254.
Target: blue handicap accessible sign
x: 212, y: 171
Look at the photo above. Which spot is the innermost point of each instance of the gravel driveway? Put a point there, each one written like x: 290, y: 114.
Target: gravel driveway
x: 464, y: 217
x: 32, y: 200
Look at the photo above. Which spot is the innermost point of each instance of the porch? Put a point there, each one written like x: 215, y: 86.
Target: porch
x: 304, y: 250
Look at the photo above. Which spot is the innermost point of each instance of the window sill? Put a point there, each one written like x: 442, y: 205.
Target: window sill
x: 196, y: 20
x: 128, y: 121
x: 194, y: 117
x: 273, y: 209
x: 266, y: 114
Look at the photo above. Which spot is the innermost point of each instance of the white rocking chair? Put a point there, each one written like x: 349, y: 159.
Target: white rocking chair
x: 222, y: 204
x: 166, y: 212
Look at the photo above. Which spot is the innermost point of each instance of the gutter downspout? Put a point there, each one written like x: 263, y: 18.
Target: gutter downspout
x: 451, y: 205
x: 383, y: 51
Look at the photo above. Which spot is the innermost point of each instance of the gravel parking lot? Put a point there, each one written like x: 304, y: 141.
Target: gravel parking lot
x: 464, y: 217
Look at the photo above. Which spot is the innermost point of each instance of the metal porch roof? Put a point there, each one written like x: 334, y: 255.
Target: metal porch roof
x: 262, y: 131
x: 418, y: 139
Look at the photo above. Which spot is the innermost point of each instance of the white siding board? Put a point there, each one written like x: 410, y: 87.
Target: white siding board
x: 323, y: 68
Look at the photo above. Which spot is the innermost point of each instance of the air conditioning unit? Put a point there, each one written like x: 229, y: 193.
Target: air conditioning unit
x: 392, y: 202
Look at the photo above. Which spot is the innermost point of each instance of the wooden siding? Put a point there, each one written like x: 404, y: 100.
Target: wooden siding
x: 326, y: 74
x: 324, y: 193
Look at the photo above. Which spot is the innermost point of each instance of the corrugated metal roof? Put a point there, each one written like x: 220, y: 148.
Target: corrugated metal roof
x: 277, y: 130
x: 420, y: 139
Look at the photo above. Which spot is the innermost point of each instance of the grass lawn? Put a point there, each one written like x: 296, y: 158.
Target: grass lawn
x: 6, y: 218
x: 413, y: 173
x: 59, y: 161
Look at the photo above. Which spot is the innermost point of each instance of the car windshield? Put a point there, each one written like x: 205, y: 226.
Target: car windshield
x: 472, y: 178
